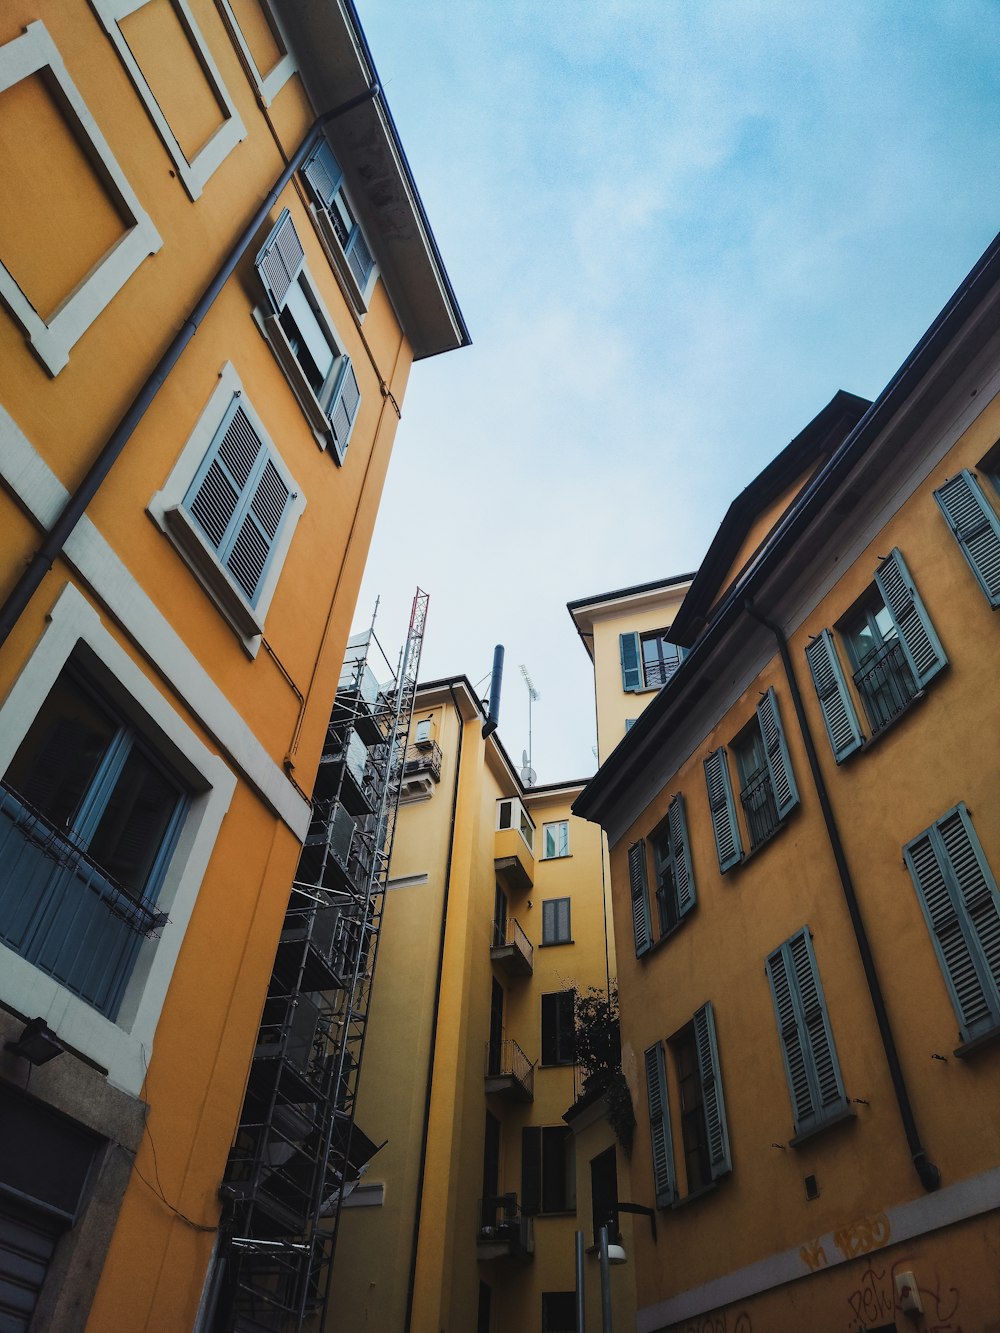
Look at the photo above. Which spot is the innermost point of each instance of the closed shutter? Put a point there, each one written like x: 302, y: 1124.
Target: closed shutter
x: 344, y: 409
x: 556, y: 921
x: 323, y: 174
x: 680, y: 852
x: 959, y: 897
x: 916, y: 633
x: 566, y: 1027
x: 834, y: 697
x: 27, y: 1242
x: 720, y: 800
x: 550, y: 1029
x: 664, y: 1181
x: 976, y: 526
x: 641, y: 926
x: 628, y: 648
x: 779, y: 763
x: 714, y: 1106
x: 280, y: 260
x: 531, y: 1169
x: 811, y: 1064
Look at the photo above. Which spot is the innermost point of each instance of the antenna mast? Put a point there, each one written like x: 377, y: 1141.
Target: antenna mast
x: 533, y: 697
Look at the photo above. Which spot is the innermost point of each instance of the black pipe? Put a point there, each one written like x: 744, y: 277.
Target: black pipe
x: 496, y: 680
x: 930, y: 1175
x: 434, y: 1021
x: 43, y: 559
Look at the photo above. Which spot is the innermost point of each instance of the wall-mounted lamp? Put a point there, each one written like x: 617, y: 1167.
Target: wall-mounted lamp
x: 642, y: 1210
x: 37, y: 1043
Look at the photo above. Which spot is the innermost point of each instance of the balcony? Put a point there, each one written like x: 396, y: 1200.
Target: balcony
x: 886, y: 684
x: 511, y: 949
x: 504, y: 1233
x: 509, y: 1072
x: 760, y: 808
x: 421, y: 771
x: 514, y: 850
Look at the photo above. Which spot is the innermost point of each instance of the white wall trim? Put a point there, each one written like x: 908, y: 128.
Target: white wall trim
x: 271, y: 83
x: 52, y: 339
x: 44, y: 496
x: 955, y: 1203
x: 196, y: 173
x: 122, y: 1047
x: 407, y: 881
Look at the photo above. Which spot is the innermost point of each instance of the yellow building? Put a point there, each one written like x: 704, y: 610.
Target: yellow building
x: 805, y: 846
x: 493, y: 1157
x: 215, y: 273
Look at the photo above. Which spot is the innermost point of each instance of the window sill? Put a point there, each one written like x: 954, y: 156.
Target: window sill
x: 556, y: 1212
x: 874, y: 739
x: 695, y: 1195
x: 558, y: 1064
x: 837, y: 1117
x: 661, y: 940
x: 564, y: 856
x: 554, y: 944
x: 204, y: 562
x: 765, y: 842
x: 968, y: 1048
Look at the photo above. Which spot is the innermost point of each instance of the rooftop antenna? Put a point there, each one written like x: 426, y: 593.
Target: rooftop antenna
x: 528, y: 775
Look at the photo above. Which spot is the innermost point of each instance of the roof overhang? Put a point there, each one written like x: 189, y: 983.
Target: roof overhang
x: 584, y: 611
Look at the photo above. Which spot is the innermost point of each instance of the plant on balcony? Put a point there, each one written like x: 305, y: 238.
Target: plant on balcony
x: 599, y: 1055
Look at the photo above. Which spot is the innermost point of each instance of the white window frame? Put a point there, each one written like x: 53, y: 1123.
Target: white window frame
x: 195, y: 174
x: 270, y: 84
x: 122, y: 1046
x: 52, y: 339
x: 331, y: 242
x: 556, y: 856
x: 523, y: 820
x: 167, y: 510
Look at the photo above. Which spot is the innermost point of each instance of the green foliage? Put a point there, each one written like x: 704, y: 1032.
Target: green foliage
x: 599, y: 1054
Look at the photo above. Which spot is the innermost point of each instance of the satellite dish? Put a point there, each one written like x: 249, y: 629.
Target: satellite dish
x: 528, y: 775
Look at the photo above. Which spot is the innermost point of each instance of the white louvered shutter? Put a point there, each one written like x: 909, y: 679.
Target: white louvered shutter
x: 345, y: 406
x: 280, y: 260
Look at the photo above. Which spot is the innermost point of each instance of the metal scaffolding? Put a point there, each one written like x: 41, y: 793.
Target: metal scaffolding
x: 298, y: 1152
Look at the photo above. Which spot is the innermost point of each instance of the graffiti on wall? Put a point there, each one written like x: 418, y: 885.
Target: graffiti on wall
x: 718, y: 1323
x: 852, y: 1240
x: 873, y: 1300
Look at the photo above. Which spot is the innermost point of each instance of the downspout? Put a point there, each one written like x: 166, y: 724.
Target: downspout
x: 930, y: 1175
x: 434, y: 1022
x: 41, y: 562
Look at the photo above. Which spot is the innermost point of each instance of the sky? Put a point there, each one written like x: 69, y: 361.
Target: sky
x: 675, y: 228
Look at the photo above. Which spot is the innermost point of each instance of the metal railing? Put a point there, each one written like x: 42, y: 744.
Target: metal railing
x: 760, y: 808
x: 499, y: 1218
x: 508, y: 933
x: 505, y: 1059
x: 423, y: 758
x: 885, y: 683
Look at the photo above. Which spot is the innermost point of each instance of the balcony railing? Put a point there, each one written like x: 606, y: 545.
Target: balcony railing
x: 886, y: 684
x: 509, y: 1072
x: 760, y: 808
x: 503, y: 1230
x: 423, y: 758
x: 511, y: 949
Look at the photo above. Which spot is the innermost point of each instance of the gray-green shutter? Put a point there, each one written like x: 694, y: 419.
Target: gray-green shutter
x: 280, y: 260
x: 779, y: 762
x: 835, y: 700
x: 664, y: 1180
x: 344, y: 409
x: 641, y: 926
x: 811, y: 1065
x: 720, y: 800
x: 916, y: 633
x: 711, y: 1090
x: 322, y: 172
x: 976, y: 526
x: 628, y: 648
x: 961, y: 905
x: 680, y: 853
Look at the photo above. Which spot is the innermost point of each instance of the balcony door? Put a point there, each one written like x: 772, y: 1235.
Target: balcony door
x: 494, y: 1062
x: 499, y: 919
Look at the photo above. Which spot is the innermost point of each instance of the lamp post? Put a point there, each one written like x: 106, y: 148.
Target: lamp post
x: 581, y: 1318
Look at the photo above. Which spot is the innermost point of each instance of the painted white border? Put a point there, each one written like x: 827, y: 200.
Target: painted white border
x: 194, y: 174
x: 122, y: 1047
x: 167, y: 510
x: 51, y: 340
x: 270, y: 84
x: 43, y: 496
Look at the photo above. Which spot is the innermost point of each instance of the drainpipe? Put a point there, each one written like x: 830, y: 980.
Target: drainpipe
x: 434, y: 1021
x: 41, y: 562
x: 930, y: 1175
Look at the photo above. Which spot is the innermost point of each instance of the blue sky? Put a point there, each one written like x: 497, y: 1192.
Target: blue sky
x: 676, y: 228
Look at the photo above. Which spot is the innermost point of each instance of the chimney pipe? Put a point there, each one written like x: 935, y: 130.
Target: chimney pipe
x: 493, y: 721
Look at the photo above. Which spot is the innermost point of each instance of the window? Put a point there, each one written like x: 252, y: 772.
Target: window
x: 555, y: 839
x: 172, y: 69
x: 558, y: 1311
x: 512, y: 814
x: 976, y: 527
x: 423, y: 734
x: 231, y: 506
x: 483, y: 1317
x: 811, y: 1066
x: 768, y: 792
x: 961, y: 905
x: 604, y: 1193
x: 339, y: 228
x: 548, y: 1179
x: 78, y: 232
x: 704, y: 1130
x: 89, y: 817
x: 675, y: 891
x: 555, y: 921
x: 559, y: 1028
x: 255, y: 31
x: 302, y: 338
x: 648, y: 660
x: 893, y: 652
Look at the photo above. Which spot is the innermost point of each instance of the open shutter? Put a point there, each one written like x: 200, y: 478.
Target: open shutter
x: 835, y: 701
x: 779, y: 763
x: 720, y: 800
x: 659, y: 1127
x: 814, y: 1081
x: 961, y: 904
x: 360, y: 258
x: 976, y: 526
x: 711, y: 1087
x: 550, y: 1028
x: 916, y: 633
x: 566, y: 1027
x: 628, y: 647
x: 641, y: 925
x: 680, y: 851
x: 531, y: 1169
x: 323, y: 174
x: 280, y: 260
x: 344, y: 408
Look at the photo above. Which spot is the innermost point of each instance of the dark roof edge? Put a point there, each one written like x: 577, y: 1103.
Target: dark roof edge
x: 629, y: 592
